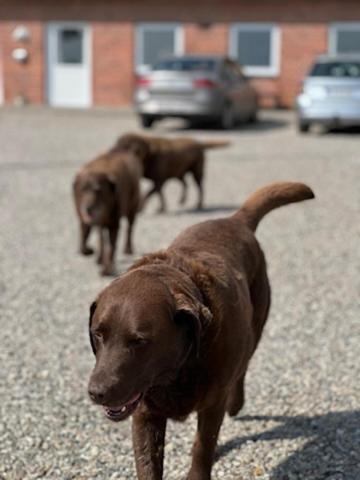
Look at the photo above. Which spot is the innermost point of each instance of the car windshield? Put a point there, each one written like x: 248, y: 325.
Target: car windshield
x: 186, y: 65
x: 336, y: 69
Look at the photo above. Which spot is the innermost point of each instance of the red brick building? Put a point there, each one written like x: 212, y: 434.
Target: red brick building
x: 85, y: 52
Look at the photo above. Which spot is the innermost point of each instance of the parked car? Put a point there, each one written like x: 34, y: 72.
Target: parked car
x: 331, y: 93
x: 196, y: 87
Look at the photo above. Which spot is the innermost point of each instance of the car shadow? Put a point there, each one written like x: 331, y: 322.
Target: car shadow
x: 331, y: 452
x: 261, y: 125
x: 344, y: 130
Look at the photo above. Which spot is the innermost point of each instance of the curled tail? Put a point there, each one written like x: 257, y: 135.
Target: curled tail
x: 270, y: 197
x: 206, y: 144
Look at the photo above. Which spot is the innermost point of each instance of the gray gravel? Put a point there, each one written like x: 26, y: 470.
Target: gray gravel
x: 301, y: 420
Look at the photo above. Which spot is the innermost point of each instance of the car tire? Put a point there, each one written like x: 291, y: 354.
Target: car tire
x: 146, y: 121
x: 253, y: 118
x: 227, y: 119
x: 303, y: 126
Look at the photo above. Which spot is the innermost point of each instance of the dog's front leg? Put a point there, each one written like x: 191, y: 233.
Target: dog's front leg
x: 108, y: 256
x: 148, y: 441
x: 209, y: 423
x: 102, y: 234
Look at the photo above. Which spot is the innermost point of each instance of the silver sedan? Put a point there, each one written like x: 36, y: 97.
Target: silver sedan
x: 331, y: 93
x: 196, y: 87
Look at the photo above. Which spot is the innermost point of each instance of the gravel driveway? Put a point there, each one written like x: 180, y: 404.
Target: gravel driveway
x: 301, y: 419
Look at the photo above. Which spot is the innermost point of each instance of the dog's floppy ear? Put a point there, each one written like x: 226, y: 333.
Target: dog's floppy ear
x: 92, y: 311
x: 194, y: 315
x: 76, y: 182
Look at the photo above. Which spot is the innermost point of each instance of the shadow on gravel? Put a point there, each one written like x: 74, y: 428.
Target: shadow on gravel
x: 332, y: 452
x: 261, y: 125
x: 204, y: 210
x: 348, y: 130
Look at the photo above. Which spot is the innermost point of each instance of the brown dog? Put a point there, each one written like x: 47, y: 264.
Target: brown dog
x: 106, y: 189
x: 165, y: 158
x: 176, y: 332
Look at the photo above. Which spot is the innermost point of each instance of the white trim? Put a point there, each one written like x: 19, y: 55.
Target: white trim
x: 87, y: 54
x: 333, y: 31
x: 139, y: 36
x: 275, y: 47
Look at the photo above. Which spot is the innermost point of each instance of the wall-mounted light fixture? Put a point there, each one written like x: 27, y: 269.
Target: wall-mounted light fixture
x: 21, y: 34
x: 20, y: 55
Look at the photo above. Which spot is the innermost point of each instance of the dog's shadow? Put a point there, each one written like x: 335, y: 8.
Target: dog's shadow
x: 204, y: 210
x: 331, y: 453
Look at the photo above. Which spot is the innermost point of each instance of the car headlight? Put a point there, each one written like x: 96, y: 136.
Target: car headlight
x: 317, y: 92
x: 304, y: 100
x: 142, y: 95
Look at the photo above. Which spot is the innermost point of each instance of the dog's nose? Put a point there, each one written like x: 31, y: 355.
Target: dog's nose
x: 97, y: 393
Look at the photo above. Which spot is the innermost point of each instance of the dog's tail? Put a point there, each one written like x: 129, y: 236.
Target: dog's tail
x: 206, y: 144
x: 270, y: 197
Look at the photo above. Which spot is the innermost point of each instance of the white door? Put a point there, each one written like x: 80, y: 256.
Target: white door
x: 69, y: 65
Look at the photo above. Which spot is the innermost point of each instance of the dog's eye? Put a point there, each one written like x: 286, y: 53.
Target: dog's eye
x: 137, y: 342
x: 98, y: 336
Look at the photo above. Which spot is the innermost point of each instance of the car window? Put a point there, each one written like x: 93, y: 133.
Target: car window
x: 336, y: 69
x: 186, y: 65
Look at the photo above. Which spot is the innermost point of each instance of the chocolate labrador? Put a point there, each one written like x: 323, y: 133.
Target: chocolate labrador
x: 165, y: 158
x: 176, y: 332
x: 104, y: 190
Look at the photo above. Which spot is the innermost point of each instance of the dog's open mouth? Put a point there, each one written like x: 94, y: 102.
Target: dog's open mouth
x: 123, y: 411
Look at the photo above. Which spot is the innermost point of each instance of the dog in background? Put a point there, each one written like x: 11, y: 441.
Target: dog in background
x: 106, y: 189
x: 165, y: 158
x: 175, y: 334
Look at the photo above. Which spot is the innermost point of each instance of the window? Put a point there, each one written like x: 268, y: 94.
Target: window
x: 344, y: 38
x: 70, y: 46
x: 155, y: 41
x: 257, y: 47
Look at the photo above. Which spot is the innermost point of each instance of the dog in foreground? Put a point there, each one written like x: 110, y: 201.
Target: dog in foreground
x: 175, y: 333
x: 105, y: 189
x: 165, y: 158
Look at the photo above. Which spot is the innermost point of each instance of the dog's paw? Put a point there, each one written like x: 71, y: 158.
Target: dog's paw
x: 87, y: 251
x: 108, y: 271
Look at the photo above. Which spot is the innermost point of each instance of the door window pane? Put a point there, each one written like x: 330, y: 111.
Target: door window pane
x: 157, y: 44
x: 348, y: 41
x: 70, y: 46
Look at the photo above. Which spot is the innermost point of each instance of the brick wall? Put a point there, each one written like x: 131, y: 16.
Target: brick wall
x: 303, y: 26
x: 300, y: 44
x: 23, y: 79
x: 113, y: 46
x: 206, y: 39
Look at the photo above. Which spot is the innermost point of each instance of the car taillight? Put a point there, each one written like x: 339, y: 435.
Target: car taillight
x: 143, y: 81
x: 204, y: 83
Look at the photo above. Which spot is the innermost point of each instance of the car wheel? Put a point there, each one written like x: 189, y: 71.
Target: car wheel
x: 303, y: 126
x: 227, y: 118
x: 253, y: 118
x: 146, y: 121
